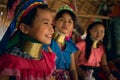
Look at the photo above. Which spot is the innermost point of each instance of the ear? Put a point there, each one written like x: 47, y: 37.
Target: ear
x: 24, y: 28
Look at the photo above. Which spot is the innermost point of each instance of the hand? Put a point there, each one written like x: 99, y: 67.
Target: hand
x: 111, y: 77
x: 83, y: 73
x: 53, y: 78
x: 49, y: 49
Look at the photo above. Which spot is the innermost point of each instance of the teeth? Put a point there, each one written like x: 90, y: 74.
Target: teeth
x: 49, y: 35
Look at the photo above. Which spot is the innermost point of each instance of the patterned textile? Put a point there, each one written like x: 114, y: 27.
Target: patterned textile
x: 62, y: 75
x: 17, y: 52
x: 27, y: 69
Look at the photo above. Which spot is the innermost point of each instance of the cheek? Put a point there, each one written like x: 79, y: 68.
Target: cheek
x: 39, y: 36
x: 93, y: 35
x: 42, y: 32
x: 58, y: 25
x: 71, y: 27
x: 38, y: 32
x: 103, y: 35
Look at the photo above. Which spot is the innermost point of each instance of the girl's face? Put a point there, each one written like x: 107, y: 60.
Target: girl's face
x: 97, y: 32
x: 64, y: 24
x: 42, y: 28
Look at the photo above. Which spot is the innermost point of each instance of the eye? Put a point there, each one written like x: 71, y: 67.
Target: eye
x: 102, y: 31
x: 62, y: 19
x: 45, y: 23
x: 70, y: 21
x: 52, y: 24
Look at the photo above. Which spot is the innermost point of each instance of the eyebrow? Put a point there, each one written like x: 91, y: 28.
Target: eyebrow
x: 64, y: 18
x: 45, y: 19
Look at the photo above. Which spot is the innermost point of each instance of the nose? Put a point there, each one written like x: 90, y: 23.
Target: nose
x: 65, y: 22
x: 99, y: 34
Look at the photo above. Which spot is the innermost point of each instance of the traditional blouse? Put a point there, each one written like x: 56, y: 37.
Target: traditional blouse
x: 63, y: 56
x: 95, y: 56
x: 16, y: 63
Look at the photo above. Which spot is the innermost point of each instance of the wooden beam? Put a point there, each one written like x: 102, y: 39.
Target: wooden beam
x: 89, y: 16
x: 94, y: 16
x: 3, y: 5
x: 74, y: 2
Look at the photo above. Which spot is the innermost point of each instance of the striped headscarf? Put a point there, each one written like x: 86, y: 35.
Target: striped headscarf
x: 23, y: 11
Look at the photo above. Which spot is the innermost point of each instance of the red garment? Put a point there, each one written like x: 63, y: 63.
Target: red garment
x: 95, y: 56
x: 26, y: 69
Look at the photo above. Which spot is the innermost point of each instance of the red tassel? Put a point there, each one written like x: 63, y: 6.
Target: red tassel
x: 11, y: 12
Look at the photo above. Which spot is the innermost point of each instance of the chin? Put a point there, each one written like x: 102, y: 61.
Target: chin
x: 97, y: 39
x: 64, y: 32
x: 48, y: 42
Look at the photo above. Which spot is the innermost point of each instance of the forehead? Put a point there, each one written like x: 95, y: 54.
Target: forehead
x: 44, y: 13
x: 98, y: 26
x: 66, y: 15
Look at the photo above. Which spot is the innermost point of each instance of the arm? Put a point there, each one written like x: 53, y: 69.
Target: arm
x: 80, y: 71
x: 104, y: 64
x: 73, y: 68
x: 77, y: 54
x: 106, y: 69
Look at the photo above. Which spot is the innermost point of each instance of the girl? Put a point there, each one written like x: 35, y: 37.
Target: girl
x: 22, y: 56
x: 92, y: 54
x: 62, y: 45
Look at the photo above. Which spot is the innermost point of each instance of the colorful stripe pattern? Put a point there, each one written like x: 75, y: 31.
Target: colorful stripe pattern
x: 23, y: 10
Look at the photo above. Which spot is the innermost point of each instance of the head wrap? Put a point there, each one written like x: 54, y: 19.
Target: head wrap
x: 23, y: 10
x: 65, y: 7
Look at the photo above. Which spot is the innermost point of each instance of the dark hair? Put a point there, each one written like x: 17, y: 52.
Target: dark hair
x: 59, y: 14
x: 79, y: 29
x: 88, y: 40
x: 29, y: 18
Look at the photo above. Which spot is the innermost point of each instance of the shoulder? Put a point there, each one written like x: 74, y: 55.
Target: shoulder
x: 81, y: 44
x: 9, y: 58
x: 71, y: 45
x: 102, y: 47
